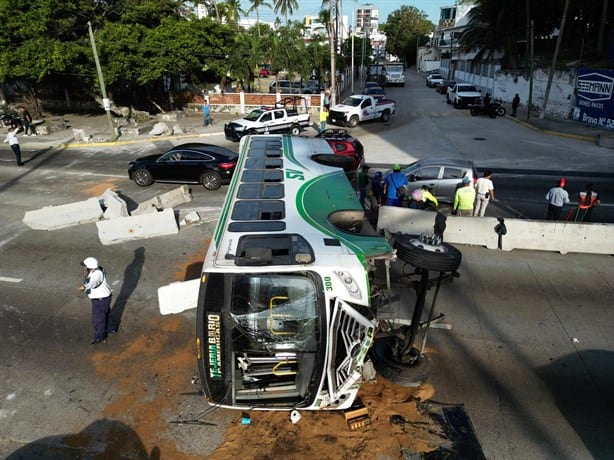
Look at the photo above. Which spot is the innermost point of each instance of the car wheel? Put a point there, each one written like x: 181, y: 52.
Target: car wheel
x: 501, y: 111
x: 492, y: 114
x: 456, y: 105
x: 142, y: 177
x: 353, y: 122
x: 385, y: 116
x: 406, y: 375
x: 474, y: 112
x: 295, y: 130
x: 338, y: 161
x: 437, y: 257
x: 211, y: 180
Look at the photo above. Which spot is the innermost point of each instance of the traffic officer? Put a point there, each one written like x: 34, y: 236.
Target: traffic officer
x: 98, y: 290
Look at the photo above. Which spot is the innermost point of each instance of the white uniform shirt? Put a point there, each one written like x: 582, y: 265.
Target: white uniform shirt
x: 11, y: 137
x: 483, y: 186
x: 96, y: 285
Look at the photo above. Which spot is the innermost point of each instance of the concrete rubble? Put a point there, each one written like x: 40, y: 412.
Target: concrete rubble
x: 66, y: 215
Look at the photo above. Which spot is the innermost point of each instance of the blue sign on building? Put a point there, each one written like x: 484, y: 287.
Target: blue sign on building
x: 594, y: 103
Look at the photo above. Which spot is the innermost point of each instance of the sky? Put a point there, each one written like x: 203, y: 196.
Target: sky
x: 385, y: 7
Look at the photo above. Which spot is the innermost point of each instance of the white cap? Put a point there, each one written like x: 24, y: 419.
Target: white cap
x: 90, y: 262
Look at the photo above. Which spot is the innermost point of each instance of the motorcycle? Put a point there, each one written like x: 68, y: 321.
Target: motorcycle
x: 492, y: 109
x: 10, y: 120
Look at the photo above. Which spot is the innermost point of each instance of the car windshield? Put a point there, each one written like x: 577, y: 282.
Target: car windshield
x: 396, y: 68
x: 352, y: 101
x: 467, y: 88
x: 435, y: 76
x: 254, y: 115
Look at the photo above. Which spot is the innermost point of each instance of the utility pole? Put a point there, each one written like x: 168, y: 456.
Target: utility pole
x: 105, y: 100
x: 531, y: 68
x: 554, y: 58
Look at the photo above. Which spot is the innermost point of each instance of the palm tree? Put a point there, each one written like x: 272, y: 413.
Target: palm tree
x: 286, y: 7
x: 232, y: 11
x: 256, y: 5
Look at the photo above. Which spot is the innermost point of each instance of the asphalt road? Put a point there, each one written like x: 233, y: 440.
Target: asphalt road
x: 528, y: 350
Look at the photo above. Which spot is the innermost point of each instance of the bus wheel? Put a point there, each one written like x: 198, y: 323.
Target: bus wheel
x: 338, y: 161
x: 440, y: 257
x: 407, y: 375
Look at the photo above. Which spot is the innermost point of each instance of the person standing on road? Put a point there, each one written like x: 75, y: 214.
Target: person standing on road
x: 557, y: 197
x: 327, y: 99
x: 377, y: 187
x: 363, y: 184
x: 587, y: 200
x: 394, y: 186
x: 515, y: 104
x: 97, y: 288
x: 484, y: 192
x: 13, y: 141
x: 206, y: 113
x: 323, y: 118
x: 464, y: 199
x: 26, y: 120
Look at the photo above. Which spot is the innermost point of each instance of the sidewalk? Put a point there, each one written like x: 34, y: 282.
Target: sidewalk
x: 97, y: 126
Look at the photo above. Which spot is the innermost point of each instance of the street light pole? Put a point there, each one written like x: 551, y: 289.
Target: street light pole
x: 105, y: 100
x: 353, y: 32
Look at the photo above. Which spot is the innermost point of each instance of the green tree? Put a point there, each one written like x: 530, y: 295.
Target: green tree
x: 403, y: 27
x: 256, y: 5
x: 286, y: 7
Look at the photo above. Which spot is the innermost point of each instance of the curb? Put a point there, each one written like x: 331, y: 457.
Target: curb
x: 136, y: 141
x: 579, y: 137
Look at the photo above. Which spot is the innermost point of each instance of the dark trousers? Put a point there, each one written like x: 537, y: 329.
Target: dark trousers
x: 101, y: 318
x: 17, y: 152
x: 555, y: 212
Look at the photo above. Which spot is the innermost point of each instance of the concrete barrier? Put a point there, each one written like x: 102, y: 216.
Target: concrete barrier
x: 129, y: 228
x: 539, y: 235
x: 67, y: 215
x: 170, y: 199
x: 115, y: 206
x: 177, y: 297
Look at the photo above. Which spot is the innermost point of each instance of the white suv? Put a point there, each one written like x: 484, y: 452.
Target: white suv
x: 433, y: 79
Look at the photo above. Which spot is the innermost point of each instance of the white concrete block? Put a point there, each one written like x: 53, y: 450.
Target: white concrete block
x: 66, y: 215
x: 189, y: 219
x: 115, y: 206
x: 563, y: 237
x: 148, y: 207
x: 178, y: 297
x: 136, y: 227
x: 175, y: 197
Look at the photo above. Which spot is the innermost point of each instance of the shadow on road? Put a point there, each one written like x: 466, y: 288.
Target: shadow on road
x: 132, y: 275
x: 101, y: 439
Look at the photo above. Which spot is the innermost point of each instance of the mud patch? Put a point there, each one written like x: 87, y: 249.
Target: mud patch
x: 191, y: 266
x: 97, y: 188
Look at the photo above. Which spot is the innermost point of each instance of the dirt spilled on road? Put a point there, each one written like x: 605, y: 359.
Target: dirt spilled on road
x: 150, y: 372
x: 97, y: 188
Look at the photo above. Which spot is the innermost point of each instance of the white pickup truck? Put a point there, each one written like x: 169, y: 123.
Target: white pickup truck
x: 361, y: 107
x: 463, y: 95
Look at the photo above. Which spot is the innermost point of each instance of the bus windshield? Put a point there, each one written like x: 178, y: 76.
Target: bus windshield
x: 274, y: 313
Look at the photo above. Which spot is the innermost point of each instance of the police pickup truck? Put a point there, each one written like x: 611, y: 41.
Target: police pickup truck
x: 290, y: 115
x: 361, y: 107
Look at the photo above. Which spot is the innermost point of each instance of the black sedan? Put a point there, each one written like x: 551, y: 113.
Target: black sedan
x: 192, y: 163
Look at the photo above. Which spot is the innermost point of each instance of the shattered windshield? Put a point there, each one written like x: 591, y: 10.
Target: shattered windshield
x: 276, y: 312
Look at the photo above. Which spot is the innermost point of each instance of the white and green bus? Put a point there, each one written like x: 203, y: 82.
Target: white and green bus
x: 284, y: 318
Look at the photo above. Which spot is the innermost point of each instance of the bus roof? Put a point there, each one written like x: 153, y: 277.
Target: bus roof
x: 284, y: 192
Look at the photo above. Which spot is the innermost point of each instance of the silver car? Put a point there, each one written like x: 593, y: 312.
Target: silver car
x: 442, y: 176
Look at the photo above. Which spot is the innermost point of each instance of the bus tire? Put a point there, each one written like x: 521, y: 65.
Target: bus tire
x: 406, y: 375
x: 441, y: 258
x: 338, y: 161
x: 353, y: 122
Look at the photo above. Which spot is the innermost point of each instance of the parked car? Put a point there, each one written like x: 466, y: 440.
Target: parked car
x: 264, y: 72
x: 463, y: 95
x: 370, y: 84
x: 376, y: 91
x: 290, y: 87
x: 193, y: 163
x: 433, y: 79
x: 343, y: 143
x: 442, y: 175
x: 442, y: 88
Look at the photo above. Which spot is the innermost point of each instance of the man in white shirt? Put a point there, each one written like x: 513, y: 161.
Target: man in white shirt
x: 98, y: 290
x: 484, y: 192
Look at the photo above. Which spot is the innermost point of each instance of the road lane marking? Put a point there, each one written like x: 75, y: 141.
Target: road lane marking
x: 10, y: 280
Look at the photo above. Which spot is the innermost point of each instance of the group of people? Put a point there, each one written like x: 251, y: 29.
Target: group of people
x: 25, y: 124
x: 473, y: 199
x: 557, y: 197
